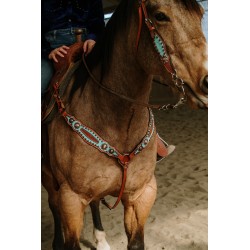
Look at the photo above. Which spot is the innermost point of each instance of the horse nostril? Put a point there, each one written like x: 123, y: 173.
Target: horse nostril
x: 204, y: 84
x: 205, y: 81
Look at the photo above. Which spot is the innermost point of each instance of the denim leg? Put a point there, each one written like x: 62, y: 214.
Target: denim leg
x: 47, y: 71
x: 57, y: 38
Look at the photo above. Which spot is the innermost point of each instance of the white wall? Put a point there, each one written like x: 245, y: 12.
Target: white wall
x: 204, y: 4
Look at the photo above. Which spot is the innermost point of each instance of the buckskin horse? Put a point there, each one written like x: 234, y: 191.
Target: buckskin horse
x: 104, y: 142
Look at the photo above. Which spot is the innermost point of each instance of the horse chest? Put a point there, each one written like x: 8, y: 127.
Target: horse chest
x: 95, y: 174
x: 101, y: 176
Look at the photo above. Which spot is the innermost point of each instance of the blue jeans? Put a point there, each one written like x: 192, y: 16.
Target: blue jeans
x: 56, y: 38
x: 47, y: 71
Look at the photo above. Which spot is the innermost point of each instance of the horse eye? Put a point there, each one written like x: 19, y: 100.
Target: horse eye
x: 161, y: 17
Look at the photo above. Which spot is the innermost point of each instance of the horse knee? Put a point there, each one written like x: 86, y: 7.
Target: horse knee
x: 71, y: 214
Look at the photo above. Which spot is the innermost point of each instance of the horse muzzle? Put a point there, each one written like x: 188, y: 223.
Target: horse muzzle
x: 198, y: 98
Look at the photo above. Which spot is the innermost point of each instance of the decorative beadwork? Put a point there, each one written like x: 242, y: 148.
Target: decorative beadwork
x: 91, y: 137
x: 159, y: 46
x: 148, y: 136
x: 104, y: 146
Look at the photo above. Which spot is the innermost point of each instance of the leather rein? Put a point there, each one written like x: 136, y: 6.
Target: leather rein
x: 90, y: 137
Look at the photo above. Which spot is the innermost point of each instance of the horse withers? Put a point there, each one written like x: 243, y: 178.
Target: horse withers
x: 104, y: 140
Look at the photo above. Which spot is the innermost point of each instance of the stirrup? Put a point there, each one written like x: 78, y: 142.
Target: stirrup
x: 163, y: 149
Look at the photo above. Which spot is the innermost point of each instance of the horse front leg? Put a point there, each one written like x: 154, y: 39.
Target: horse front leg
x: 99, y: 234
x: 136, y: 213
x: 58, y: 240
x: 71, y: 213
x: 51, y: 186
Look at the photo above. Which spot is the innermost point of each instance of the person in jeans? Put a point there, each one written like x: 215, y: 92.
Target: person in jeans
x: 60, y: 20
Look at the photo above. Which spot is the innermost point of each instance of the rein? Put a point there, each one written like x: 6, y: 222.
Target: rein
x: 152, y: 106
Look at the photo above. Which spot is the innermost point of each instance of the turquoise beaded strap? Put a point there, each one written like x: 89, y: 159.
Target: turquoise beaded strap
x: 93, y: 139
x: 159, y: 46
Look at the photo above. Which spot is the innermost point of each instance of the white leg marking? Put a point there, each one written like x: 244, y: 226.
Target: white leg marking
x: 100, y: 238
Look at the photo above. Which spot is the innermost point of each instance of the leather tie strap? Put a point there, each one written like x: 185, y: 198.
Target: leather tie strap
x: 124, y: 178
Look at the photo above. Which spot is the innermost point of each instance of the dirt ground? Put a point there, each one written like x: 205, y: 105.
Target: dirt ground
x: 179, y: 217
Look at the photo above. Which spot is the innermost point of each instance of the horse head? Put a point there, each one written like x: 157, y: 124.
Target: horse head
x: 173, y: 27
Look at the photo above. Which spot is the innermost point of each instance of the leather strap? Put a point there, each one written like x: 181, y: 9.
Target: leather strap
x: 155, y: 34
x: 139, y: 27
x: 124, y: 178
x: 157, y: 106
x: 151, y: 106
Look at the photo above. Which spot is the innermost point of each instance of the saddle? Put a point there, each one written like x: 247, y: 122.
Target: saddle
x: 64, y: 70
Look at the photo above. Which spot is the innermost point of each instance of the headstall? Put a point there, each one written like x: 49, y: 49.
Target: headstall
x: 162, y: 51
x: 93, y: 139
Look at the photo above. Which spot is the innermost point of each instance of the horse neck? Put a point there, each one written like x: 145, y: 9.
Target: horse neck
x: 126, y: 77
